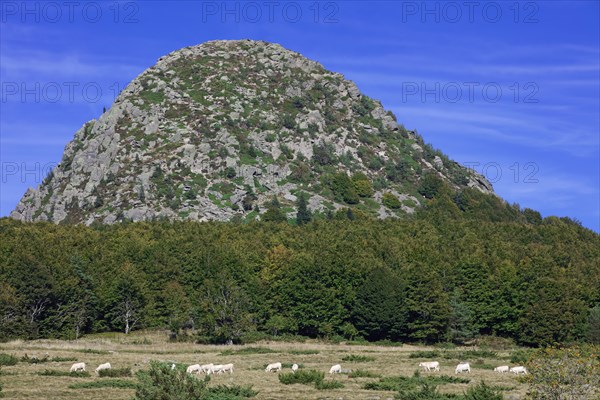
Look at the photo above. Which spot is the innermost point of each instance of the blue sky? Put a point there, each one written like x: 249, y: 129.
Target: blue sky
x: 510, y: 88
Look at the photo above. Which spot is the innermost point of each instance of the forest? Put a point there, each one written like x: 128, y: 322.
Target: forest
x: 445, y: 274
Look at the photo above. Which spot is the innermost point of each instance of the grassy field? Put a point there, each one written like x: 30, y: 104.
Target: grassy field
x: 40, y: 381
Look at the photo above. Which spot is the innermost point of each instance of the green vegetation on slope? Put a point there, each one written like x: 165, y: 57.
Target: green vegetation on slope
x: 414, y: 280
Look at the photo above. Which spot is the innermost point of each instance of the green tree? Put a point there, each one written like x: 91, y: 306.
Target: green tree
x: 431, y: 185
x: 303, y: 216
x: 593, y: 325
x: 274, y: 212
x: 378, y: 312
x: 461, y: 326
x: 224, y: 313
x: 127, y: 299
x: 428, y: 306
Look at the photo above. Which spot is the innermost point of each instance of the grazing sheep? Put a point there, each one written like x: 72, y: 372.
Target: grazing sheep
x: 463, y: 367
x: 502, y: 369
x: 518, y: 370
x: 273, y: 367
x: 193, y: 369
x: 227, y: 368
x: 216, y: 369
x: 78, y: 367
x: 294, y: 368
x: 207, y: 368
x: 103, y: 367
x: 336, y: 369
x: 430, y: 365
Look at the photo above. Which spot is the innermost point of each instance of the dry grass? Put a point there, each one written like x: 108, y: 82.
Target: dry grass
x: 135, y: 351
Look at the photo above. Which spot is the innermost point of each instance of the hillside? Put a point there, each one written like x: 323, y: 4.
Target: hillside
x: 216, y: 131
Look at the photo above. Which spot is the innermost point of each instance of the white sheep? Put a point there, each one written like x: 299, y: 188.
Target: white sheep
x: 273, y: 367
x: 78, y: 367
x: 336, y: 369
x: 103, y: 367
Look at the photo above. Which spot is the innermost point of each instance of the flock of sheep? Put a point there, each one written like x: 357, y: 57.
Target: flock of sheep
x: 465, y: 367
x: 275, y: 367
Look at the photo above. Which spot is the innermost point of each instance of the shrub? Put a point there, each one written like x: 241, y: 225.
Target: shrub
x: 63, y: 359
x: 114, y: 372
x: 361, y: 373
x: 34, y: 359
x: 234, y: 392
x: 428, y: 392
x: 424, y: 354
x: 303, y: 377
x: 160, y: 382
x: 391, y: 201
x: 55, y: 372
x: 248, y: 351
x: 572, y: 372
x: 464, y: 355
x: 520, y: 356
x: 111, y: 383
x: 357, y: 358
x: 8, y: 359
x: 93, y: 351
x: 482, y: 392
x: 303, y: 352
x: 327, y: 385
x: 405, y: 383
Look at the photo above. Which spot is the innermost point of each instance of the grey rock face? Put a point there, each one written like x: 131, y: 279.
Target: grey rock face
x: 211, y: 132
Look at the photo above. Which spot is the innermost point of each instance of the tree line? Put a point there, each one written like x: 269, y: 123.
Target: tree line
x: 436, y: 276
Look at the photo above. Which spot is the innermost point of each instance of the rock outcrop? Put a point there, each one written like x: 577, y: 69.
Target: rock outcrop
x: 215, y: 131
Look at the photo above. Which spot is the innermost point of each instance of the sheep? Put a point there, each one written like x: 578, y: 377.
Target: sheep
x: 502, y: 369
x: 78, y: 367
x: 216, y: 369
x: 206, y: 368
x: 294, y: 368
x: 273, y: 367
x: 193, y: 369
x: 103, y: 367
x: 463, y: 367
x: 518, y: 370
x: 227, y: 368
x: 430, y: 365
x: 336, y: 369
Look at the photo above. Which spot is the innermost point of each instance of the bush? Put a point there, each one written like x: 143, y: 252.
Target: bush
x: 405, y: 383
x: 34, y: 359
x: 425, y: 354
x: 328, y: 385
x: 248, y: 351
x: 161, y: 382
x: 482, y: 392
x: 428, y: 392
x: 303, y: 352
x: 111, y: 383
x: 63, y: 359
x: 114, y: 372
x: 572, y: 372
x: 520, y: 356
x: 391, y: 201
x: 55, y: 372
x: 360, y: 373
x: 234, y: 392
x: 93, y: 351
x: 303, y: 377
x: 8, y: 359
x: 357, y: 358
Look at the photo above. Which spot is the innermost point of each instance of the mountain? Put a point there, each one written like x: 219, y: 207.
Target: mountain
x: 217, y: 131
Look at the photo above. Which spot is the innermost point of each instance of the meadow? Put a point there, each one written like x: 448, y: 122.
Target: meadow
x: 374, y: 367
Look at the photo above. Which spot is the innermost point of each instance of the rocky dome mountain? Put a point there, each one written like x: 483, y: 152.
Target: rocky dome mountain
x: 216, y: 131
